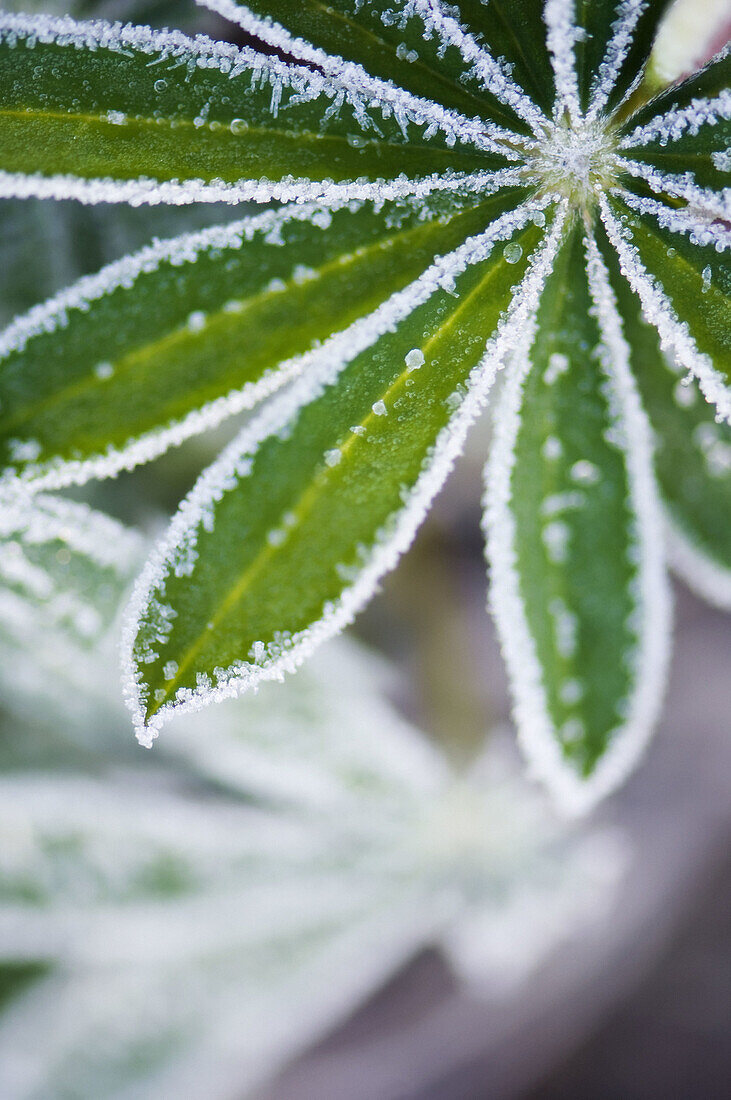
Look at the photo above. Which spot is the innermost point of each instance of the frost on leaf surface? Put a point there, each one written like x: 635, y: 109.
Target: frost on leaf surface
x: 179, y: 944
x: 437, y: 164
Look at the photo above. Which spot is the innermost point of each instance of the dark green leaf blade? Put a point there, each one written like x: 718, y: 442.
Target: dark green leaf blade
x: 678, y: 266
x: 599, y: 49
x: 607, y: 25
x: 423, y: 48
x: 708, y: 83
x: 692, y: 454
x: 166, y: 343
x: 685, y: 134
x: 573, y: 539
x: 323, y: 493
x: 101, y: 112
x: 514, y: 33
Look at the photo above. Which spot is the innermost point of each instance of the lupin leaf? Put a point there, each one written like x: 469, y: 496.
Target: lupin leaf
x: 685, y: 132
x: 692, y: 450
x: 614, y: 44
x: 101, y: 111
x: 692, y: 276
x: 423, y: 48
x: 573, y: 543
x: 97, y: 380
x: 322, y: 495
x: 513, y: 31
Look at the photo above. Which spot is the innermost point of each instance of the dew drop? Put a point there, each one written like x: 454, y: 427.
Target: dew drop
x: 414, y: 359
x: 238, y: 126
x: 160, y: 85
x: 512, y: 252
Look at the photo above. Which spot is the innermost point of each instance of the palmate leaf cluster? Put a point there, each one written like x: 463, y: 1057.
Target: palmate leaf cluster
x: 469, y: 196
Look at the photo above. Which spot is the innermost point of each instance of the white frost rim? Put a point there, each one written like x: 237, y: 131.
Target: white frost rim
x: 704, y: 576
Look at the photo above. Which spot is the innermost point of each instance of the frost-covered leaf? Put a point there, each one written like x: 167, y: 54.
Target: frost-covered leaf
x: 680, y: 142
x: 98, y: 111
x: 182, y: 946
x: 679, y: 268
x: 599, y: 48
x: 63, y: 572
x: 574, y: 542
x: 168, y: 342
x: 328, y: 740
x: 46, y: 246
x: 692, y: 456
x: 432, y: 51
x: 324, y: 491
x: 191, y: 944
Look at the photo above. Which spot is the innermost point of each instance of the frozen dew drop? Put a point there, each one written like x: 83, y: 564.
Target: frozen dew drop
x: 379, y: 408
x: 333, y: 457
x: 571, y: 692
x: 414, y: 359
x: 683, y: 394
x: 170, y: 670
x: 558, y: 364
x: 584, y: 471
x: 512, y: 252
x: 707, y: 274
x: 103, y: 371
x: 552, y: 448
x: 196, y: 321
x: 160, y: 85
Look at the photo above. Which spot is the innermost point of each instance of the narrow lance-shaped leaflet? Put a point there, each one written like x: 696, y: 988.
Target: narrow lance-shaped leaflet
x: 103, y: 112
x: 574, y: 539
x: 166, y: 343
x: 323, y: 493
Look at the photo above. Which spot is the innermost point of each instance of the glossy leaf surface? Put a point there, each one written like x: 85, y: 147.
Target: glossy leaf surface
x: 97, y: 380
x: 568, y: 528
x: 323, y: 496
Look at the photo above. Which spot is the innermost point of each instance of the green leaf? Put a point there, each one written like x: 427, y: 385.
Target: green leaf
x: 691, y: 281
x: 45, y: 246
x: 64, y: 570
x: 708, y: 83
x: 514, y: 32
x: 165, y: 343
x: 63, y: 565
x: 103, y: 112
x: 615, y: 42
x: 686, y: 132
x: 573, y: 539
x: 325, y: 491
x: 692, y: 453
x: 419, y: 48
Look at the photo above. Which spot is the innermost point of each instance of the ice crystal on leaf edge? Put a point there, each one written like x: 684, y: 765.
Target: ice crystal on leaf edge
x: 576, y: 164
